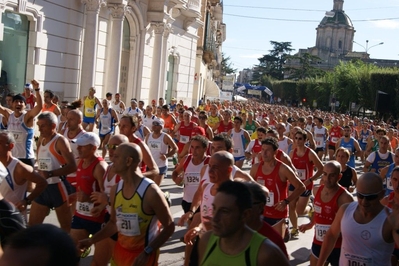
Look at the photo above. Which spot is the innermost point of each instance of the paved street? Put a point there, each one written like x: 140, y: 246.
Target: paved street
x: 172, y: 253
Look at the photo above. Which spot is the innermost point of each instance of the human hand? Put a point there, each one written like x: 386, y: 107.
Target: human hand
x: 99, y: 197
x: 191, y: 234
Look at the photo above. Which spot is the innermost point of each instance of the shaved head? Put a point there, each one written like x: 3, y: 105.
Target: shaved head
x: 131, y: 150
x: 77, y: 113
x: 334, y: 165
x: 118, y: 139
x: 224, y: 157
x: 369, y: 183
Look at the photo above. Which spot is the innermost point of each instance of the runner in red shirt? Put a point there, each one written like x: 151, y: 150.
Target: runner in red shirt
x: 184, y: 128
x: 335, y: 133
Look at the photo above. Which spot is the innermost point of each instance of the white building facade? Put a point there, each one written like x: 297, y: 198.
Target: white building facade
x: 144, y: 49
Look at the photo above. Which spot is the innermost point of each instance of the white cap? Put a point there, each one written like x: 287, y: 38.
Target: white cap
x: 88, y: 138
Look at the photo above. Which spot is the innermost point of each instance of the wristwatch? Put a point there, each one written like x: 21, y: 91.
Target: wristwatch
x: 28, y: 201
x: 148, y: 250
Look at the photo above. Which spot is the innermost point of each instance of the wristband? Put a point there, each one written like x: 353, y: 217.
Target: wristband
x: 38, y: 89
x: 286, y: 201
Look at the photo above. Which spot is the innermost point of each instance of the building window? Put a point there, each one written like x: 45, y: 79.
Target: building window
x: 340, y: 44
x: 13, y: 52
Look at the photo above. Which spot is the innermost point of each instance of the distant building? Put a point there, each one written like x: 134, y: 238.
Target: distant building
x: 334, y: 42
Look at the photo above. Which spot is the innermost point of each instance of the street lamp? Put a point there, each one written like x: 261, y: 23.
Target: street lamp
x: 367, y: 48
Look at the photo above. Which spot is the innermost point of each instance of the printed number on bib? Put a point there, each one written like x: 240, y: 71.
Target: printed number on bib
x: 301, y: 174
x: 192, y: 177
x: 128, y: 224
x: 321, y: 230
x: 270, y: 199
x: 154, y: 145
x: 18, y: 136
x: 44, y: 164
x: 184, y: 139
x: 356, y: 260
x: 84, y: 208
x: 237, y: 152
x: 90, y: 110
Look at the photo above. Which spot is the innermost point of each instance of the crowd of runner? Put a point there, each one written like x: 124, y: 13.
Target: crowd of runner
x: 52, y: 159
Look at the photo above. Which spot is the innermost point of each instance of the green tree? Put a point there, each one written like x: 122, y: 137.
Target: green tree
x: 306, y: 66
x: 272, y: 64
x: 226, y: 66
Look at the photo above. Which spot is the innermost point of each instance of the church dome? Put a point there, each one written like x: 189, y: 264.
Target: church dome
x: 336, y: 17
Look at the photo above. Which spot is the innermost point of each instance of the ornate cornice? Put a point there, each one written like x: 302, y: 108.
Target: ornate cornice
x: 117, y: 10
x: 22, y: 6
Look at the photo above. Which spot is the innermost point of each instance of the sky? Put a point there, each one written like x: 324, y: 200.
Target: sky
x: 252, y: 24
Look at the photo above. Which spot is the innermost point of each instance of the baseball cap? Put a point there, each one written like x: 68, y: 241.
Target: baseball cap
x: 88, y: 138
x: 18, y: 97
x: 158, y: 122
x: 173, y: 99
x: 198, y: 131
x: 28, y: 86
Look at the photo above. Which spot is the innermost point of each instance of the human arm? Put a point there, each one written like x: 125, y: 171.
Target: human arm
x: 318, y: 164
x: 176, y: 174
x: 63, y: 147
x: 209, y: 133
x: 98, y: 102
x: 357, y: 148
x: 172, y: 146
x: 368, y: 162
x: 184, y: 151
x: 115, y: 116
x: 354, y: 180
x: 154, y: 202
x: 287, y: 174
x: 247, y: 138
x: 338, y: 144
x: 98, y: 174
x: 108, y: 230
x: 270, y: 254
x: 25, y: 173
x: 331, y: 236
x: 31, y: 114
x: 310, y: 138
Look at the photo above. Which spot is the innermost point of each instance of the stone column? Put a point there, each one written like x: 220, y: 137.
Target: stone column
x: 88, y: 67
x: 115, y: 50
x: 164, y: 61
x: 158, y: 28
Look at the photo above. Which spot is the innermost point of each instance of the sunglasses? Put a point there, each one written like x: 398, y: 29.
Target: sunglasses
x: 368, y: 197
x: 112, y: 146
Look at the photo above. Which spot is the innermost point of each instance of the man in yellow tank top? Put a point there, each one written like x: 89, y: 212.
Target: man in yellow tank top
x: 90, y: 103
x: 138, y: 206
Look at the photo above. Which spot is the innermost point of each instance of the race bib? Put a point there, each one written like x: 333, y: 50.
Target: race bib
x: 319, y: 142
x: 301, y: 174
x: 270, y: 199
x: 389, y: 183
x: 154, y: 145
x: 84, y: 208
x: 184, y: 139
x: 364, y: 139
x: 236, y: 152
x: 356, y: 260
x: 18, y: 136
x: 321, y: 230
x: 334, y: 139
x: 90, y: 110
x: 44, y: 164
x: 192, y: 178
x: 128, y: 223
x: 105, y: 128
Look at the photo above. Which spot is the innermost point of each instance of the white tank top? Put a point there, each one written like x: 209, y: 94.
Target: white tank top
x: 117, y: 107
x: 238, y: 143
x: 206, y: 203
x: 74, y: 147
x: 147, y: 121
x: 319, y: 136
x: 283, y: 144
x: 23, y: 135
x: 47, y: 160
x: 157, y: 147
x: 140, y: 132
x: 108, y: 184
x: 192, y: 178
x: 363, y: 244
x: 9, y: 189
x: 106, y: 122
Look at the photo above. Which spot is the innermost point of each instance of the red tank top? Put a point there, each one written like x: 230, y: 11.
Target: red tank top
x: 225, y: 128
x: 143, y: 167
x: 335, y: 135
x: 185, y: 134
x: 49, y: 109
x: 30, y: 102
x: 87, y: 183
x: 257, y: 148
x: 277, y: 191
x: 324, y: 215
x: 304, y: 166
